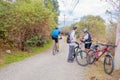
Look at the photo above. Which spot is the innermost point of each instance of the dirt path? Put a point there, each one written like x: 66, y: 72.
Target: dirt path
x: 45, y: 66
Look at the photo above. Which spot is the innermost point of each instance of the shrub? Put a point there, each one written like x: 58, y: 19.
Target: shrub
x: 22, y: 21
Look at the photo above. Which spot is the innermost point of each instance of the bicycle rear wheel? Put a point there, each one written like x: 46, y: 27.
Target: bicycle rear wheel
x: 92, y: 56
x: 108, y: 64
x: 54, y: 49
x: 81, y: 58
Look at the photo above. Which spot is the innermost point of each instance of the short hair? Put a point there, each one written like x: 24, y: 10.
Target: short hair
x: 56, y: 28
x: 75, y: 27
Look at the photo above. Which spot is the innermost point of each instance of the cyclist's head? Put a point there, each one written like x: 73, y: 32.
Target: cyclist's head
x: 85, y: 30
x: 75, y: 27
x: 56, y: 28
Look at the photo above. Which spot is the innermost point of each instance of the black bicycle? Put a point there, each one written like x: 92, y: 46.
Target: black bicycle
x: 54, y: 49
x: 80, y: 55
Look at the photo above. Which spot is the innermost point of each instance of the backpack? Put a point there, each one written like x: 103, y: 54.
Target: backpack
x: 89, y: 38
x: 68, y: 38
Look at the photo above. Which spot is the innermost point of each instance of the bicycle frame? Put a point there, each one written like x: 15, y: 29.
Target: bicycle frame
x: 108, y: 59
x: 103, y: 52
x: 54, y: 49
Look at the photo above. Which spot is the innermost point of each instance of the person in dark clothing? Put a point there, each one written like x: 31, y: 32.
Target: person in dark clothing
x: 87, y: 39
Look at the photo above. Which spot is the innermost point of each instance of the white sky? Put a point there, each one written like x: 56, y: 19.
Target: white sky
x: 84, y: 7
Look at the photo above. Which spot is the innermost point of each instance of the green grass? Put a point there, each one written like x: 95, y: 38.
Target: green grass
x: 15, y: 57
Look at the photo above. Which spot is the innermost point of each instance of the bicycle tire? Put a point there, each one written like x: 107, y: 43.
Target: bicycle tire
x: 81, y: 58
x: 54, y: 50
x: 76, y: 49
x: 109, y: 63
x: 92, y: 56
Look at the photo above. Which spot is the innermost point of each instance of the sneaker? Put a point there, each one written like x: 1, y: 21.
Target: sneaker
x: 57, y: 50
x: 70, y: 61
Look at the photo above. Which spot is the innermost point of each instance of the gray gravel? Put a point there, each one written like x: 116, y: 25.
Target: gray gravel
x: 45, y: 66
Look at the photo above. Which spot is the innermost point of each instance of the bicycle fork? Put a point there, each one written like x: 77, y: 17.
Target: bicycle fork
x: 96, y: 55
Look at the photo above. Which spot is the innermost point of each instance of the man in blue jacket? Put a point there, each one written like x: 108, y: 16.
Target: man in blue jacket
x: 55, y: 34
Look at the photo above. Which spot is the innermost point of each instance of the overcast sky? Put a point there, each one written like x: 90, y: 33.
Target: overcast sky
x: 75, y: 9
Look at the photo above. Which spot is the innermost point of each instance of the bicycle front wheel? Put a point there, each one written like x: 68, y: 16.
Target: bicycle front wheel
x: 92, y: 56
x: 108, y: 64
x: 76, y: 50
x: 81, y: 58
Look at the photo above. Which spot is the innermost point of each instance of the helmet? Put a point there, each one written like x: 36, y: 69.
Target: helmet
x: 85, y: 30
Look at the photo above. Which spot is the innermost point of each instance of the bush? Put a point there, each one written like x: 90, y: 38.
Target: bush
x: 35, y: 41
x: 20, y: 22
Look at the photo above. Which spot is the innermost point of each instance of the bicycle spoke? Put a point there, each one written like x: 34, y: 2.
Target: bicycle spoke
x: 91, y: 57
x: 108, y: 64
x: 81, y: 58
x: 54, y: 50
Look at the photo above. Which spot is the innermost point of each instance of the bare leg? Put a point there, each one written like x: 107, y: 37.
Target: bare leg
x: 87, y: 50
x: 53, y: 41
x: 57, y: 46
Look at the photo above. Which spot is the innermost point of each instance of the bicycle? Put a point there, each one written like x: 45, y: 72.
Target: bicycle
x: 80, y: 55
x: 54, y: 49
x: 94, y: 55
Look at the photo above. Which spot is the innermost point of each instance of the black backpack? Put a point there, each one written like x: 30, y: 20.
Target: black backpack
x: 89, y: 38
x: 68, y: 38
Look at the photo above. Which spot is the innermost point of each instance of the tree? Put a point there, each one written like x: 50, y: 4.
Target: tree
x: 95, y: 24
x: 52, y: 5
x: 22, y: 25
x: 65, y: 30
x: 117, y: 52
x: 10, y: 0
x: 116, y: 6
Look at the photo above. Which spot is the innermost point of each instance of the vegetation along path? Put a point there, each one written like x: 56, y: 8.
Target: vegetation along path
x: 45, y: 66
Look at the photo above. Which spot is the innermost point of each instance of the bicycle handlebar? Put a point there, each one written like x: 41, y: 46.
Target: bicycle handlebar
x: 77, y: 43
x: 108, y: 45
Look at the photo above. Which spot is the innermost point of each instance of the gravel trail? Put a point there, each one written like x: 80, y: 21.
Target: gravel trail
x: 45, y: 66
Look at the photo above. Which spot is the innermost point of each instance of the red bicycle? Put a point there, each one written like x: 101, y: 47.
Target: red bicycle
x: 94, y: 55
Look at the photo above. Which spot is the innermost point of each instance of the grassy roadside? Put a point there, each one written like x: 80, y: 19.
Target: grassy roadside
x: 15, y: 57
x: 96, y: 72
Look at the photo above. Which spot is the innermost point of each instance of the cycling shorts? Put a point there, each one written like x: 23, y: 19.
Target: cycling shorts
x: 88, y: 45
x: 55, y: 39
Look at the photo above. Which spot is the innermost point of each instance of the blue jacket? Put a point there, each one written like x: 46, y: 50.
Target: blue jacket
x: 55, y: 33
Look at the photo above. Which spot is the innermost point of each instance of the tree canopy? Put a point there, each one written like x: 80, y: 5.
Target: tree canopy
x: 95, y: 24
x: 24, y: 20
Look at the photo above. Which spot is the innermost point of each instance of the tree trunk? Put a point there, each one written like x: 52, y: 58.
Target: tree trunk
x: 117, y: 51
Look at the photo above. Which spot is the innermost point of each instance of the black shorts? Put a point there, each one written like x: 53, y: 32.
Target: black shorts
x: 55, y: 38
x: 88, y: 45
